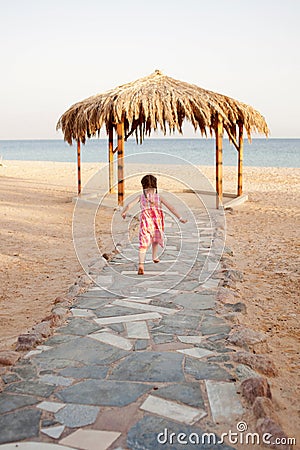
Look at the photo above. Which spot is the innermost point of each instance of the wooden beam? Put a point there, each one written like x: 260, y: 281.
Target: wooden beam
x: 78, y: 167
x: 219, y: 162
x: 111, y: 160
x: 240, y: 160
x: 120, y: 133
x: 232, y: 138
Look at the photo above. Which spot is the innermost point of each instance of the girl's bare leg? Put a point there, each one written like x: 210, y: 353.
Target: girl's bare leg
x: 142, y: 256
x: 154, y: 252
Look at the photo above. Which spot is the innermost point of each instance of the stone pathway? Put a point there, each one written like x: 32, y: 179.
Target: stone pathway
x: 128, y: 370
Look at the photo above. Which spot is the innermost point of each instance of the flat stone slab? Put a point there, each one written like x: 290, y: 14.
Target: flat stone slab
x: 96, y: 372
x: 54, y: 364
x: 74, y: 416
x: 172, y: 410
x: 191, y: 339
x: 19, y: 425
x: 103, y: 393
x: 137, y: 330
x: 56, y: 380
x: 178, y: 324
x: 112, y: 339
x: 162, y: 338
x: 54, y: 432
x: 196, y: 352
x: 150, y: 366
x: 223, y: 400
x: 50, y: 406
x: 144, y: 307
x: 79, y: 327
x: 86, y: 350
x: 187, y: 393
x: 90, y: 302
x: 78, y: 312
x: 137, y: 300
x: 91, y: 439
x: 204, y: 370
x: 152, y: 433
x: 128, y: 318
x: 10, y: 402
x: 31, y: 387
x: 114, y: 310
x: 214, y: 325
x: 195, y: 301
x: 60, y: 339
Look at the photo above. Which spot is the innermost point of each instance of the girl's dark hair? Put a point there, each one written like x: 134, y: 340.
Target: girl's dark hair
x: 149, y: 181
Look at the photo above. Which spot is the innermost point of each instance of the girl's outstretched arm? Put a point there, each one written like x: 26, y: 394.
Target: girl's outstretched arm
x: 129, y: 206
x: 173, y: 210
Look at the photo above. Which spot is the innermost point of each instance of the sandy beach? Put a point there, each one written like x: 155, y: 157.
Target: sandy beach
x: 38, y: 261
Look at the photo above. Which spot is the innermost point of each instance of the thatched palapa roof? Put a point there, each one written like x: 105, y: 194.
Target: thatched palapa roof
x: 154, y: 102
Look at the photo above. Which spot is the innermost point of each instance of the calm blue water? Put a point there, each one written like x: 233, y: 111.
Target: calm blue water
x: 262, y: 152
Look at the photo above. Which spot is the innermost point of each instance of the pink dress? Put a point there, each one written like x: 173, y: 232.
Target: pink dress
x: 151, y: 221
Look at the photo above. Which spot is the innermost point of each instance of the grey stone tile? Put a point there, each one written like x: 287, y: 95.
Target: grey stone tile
x: 206, y: 371
x: 86, y: 372
x: 53, y: 364
x: 85, y: 350
x: 56, y: 380
x: 79, y: 327
x: 91, y: 302
x: 195, y: 301
x: 151, y: 433
x: 118, y: 327
x: 214, y: 325
x: 162, y: 338
x: 141, y: 344
x: 60, y: 339
x: 178, y: 324
x: 172, y: 410
x: 103, y: 393
x: 150, y: 366
x: 53, y: 431
x: 19, y: 425
x: 116, y: 311
x: 10, y: 402
x: 223, y: 400
x: 187, y: 393
x: 31, y: 387
x: 75, y: 416
x: 25, y: 371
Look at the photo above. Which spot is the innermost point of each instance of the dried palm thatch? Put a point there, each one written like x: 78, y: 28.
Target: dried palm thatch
x: 158, y: 101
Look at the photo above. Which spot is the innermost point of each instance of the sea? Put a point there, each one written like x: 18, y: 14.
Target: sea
x: 260, y: 153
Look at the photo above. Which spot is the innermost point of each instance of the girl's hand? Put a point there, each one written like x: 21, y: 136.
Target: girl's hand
x: 182, y: 220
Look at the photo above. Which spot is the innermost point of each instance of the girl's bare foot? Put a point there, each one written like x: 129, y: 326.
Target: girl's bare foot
x: 141, y: 270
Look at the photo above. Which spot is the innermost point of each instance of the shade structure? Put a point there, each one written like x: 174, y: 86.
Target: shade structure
x: 161, y: 102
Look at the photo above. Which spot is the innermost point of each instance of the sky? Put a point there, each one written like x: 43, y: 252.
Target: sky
x: 57, y: 52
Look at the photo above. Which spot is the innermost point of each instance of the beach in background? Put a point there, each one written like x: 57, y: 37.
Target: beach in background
x: 38, y: 261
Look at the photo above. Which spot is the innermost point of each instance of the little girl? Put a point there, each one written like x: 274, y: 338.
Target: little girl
x: 151, y: 219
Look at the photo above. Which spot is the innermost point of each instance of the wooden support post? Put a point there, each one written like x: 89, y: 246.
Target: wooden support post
x: 219, y: 166
x: 240, y: 160
x: 120, y: 133
x: 78, y: 167
x: 111, y: 160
